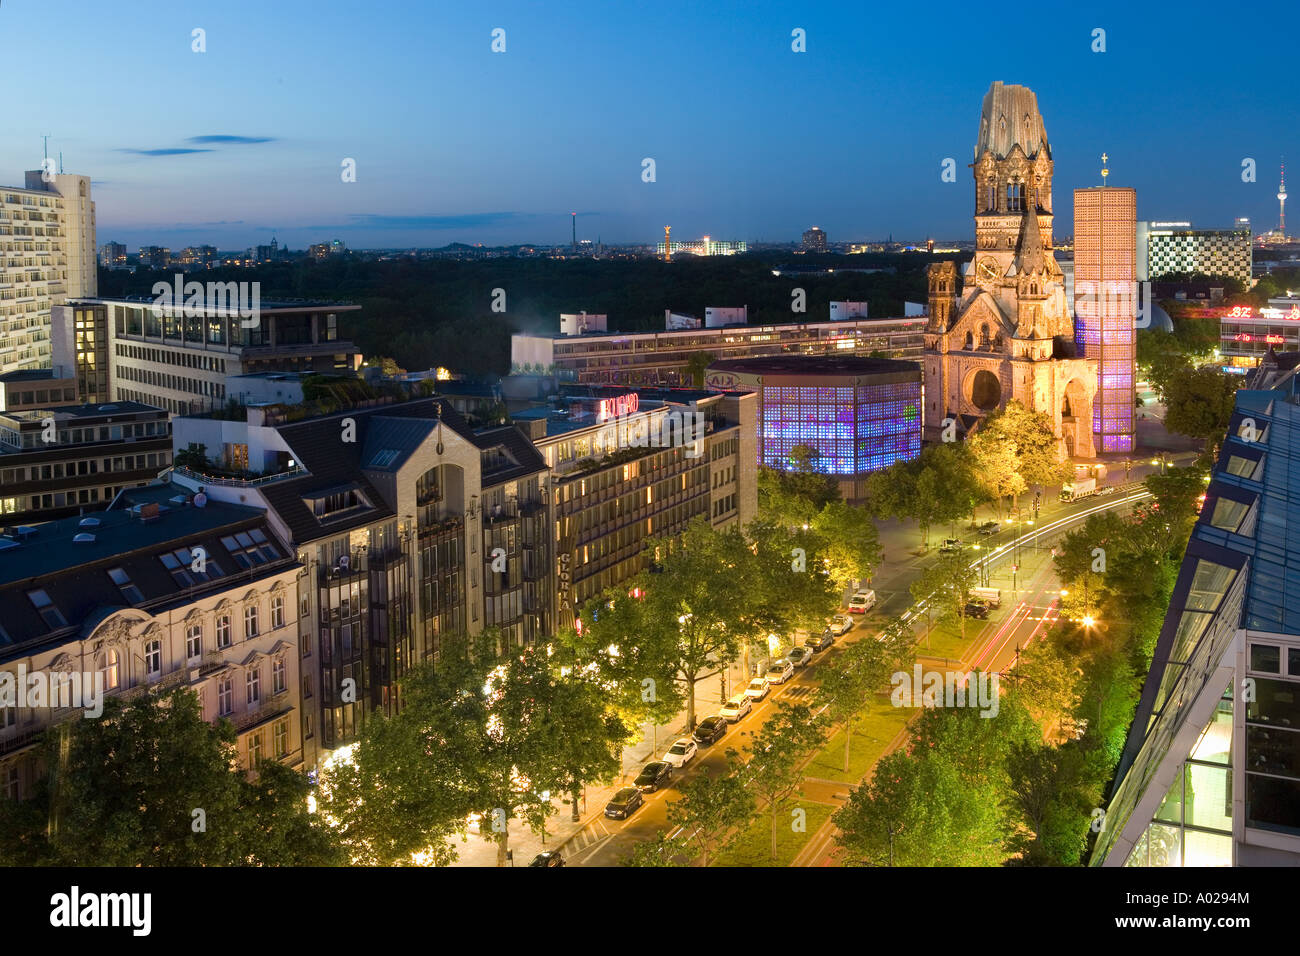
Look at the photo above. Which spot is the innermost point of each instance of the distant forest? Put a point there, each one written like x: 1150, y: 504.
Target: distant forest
x: 439, y: 312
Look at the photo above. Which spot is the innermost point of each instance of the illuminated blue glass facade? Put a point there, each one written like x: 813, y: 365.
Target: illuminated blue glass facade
x: 855, y: 428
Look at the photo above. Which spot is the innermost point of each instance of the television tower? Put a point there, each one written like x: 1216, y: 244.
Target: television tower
x: 1281, y: 203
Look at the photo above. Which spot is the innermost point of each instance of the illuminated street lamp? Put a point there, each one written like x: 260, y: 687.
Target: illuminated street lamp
x: 1088, y: 620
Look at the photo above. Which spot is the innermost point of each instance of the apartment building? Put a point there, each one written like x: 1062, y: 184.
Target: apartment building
x: 47, y: 254
x: 117, y: 597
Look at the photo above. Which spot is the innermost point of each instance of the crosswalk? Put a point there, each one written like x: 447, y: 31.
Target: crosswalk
x: 593, y: 833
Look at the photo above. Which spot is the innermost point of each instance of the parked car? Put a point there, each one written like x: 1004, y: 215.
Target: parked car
x: 989, y: 528
x: 780, y: 671
x: 624, y: 803
x: 822, y: 641
x: 990, y: 596
x: 978, y: 610
x: 737, y: 707
x: 548, y: 858
x: 799, y: 656
x: 840, y: 625
x: 951, y: 545
x: 862, y: 602
x: 757, y: 688
x: 710, y: 730
x: 680, y: 753
x: 654, y: 775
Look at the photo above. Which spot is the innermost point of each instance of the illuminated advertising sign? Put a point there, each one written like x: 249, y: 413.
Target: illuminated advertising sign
x: 1270, y: 339
x: 618, y: 406
x: 1244, y: 312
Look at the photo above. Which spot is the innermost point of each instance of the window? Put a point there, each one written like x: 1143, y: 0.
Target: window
x: 306, y: 687
x: 250, y: 622
x: 279, y: 672
x: 110, y: 669
x: 11, y: 782
x: 303, y: 608
x: 153, y: 659
x: 1015, y: 197
x: 194, y: 642
x: 277, y: 612
x: 254, y: 749
x: 123, y: 582
x: 225, y: 696
x: 250, y: 548
x: 8, y: 717
x: 281, y: 738
x: 181, y: 563
x: 223, y: 631
x: 253, y: 684
x: 49, y: 613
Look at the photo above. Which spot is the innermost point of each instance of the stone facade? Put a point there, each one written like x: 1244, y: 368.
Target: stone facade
x: 1002, y: 329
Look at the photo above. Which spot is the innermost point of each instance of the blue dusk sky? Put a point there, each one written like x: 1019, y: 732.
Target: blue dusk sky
x: 753, y: 141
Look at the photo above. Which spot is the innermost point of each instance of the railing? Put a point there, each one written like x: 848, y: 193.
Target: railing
x: 271, y: 707
x: 232, y: 482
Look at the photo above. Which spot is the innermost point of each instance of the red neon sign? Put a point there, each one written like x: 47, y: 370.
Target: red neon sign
x: 618, y: 406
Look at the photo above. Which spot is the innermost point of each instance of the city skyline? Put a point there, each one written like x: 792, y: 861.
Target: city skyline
x: 505, y: 158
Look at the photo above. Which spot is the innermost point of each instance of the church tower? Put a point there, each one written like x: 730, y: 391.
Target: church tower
x: 1003, y: 329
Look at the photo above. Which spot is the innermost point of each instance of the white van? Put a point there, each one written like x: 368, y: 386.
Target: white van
x: 990, y: 596
x: 862, y: 602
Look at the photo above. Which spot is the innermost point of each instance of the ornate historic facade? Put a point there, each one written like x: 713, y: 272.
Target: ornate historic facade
x: 1002, y: 329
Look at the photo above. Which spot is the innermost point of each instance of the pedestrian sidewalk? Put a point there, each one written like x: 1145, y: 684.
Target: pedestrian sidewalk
x: 561, y: 828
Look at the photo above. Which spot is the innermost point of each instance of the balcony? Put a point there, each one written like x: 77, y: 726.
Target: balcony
x: 236, y: 481
x: 267, y: 709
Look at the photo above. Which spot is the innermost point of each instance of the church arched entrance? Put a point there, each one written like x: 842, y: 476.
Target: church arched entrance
x: 984, y: 390
x: 1076, y: 419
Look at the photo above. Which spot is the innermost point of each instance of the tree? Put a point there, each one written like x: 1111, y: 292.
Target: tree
x: 945, y: 588
x: 477, y: 735
x: 1200, y: 404
x: 794, y: 496
x: 684, y: 618
x: 778, y: 748
x: 1047, y: 681
x: 995, y: 457
x: 885, y: 822
x: 1037, y: 455
x: 851, y: 543
x: 151, y: 783
x: 1161, y: 354
x: 194, y: 455
x: 658, y: 851
x: 697, y: 363
x: 710, y: 809
x: 862, y: 669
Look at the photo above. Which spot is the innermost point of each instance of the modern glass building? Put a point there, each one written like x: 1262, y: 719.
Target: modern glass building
x: 860, y: 414
x: 1210, y: 774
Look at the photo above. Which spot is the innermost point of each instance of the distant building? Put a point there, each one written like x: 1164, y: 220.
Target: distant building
x: 859, y: 414
x: 37, y: 388
x: 112, y: 255
x: 675, y: 321
x: 47, y: 254
x: 704, y: 247
x: 1247, y: 334
x: 197, y: 257
x: 814, y: 240
x: 155, y: 257
x: 1169, y: 247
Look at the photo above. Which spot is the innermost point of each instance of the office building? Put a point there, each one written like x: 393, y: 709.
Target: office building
x: 660, y: 358
x: 47, y: 254
x: 858, y: 414
x: 841, y: 311
x: 128, y: 350
x: 197, y: 257
x: 1001, y: 329
x: 1105, y: 306
x: 1248, y: 334
x: 814, y: 240
x: 1210, y: 773
x: 1175, y: 247
x: 116, y: 595
x: 580, y: 323
x: 57, y: 459
x: 38, y: 388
